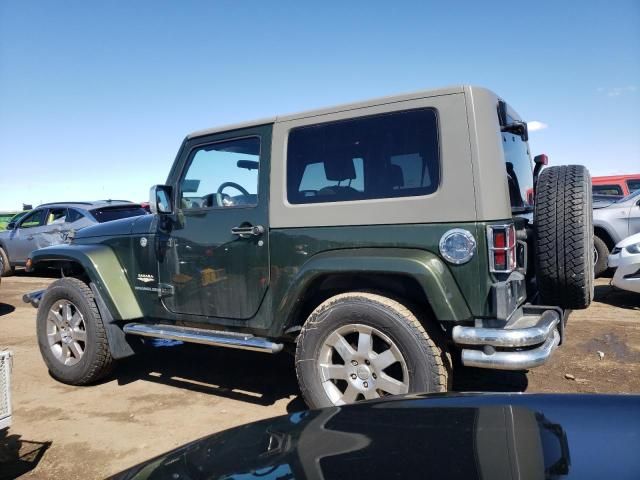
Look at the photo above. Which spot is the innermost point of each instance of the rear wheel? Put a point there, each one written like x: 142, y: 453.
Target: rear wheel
x: 564, y: 237
x: 5, y: 266
x: 600, y: 256
x: 71, y: 335
x: 362, y: 346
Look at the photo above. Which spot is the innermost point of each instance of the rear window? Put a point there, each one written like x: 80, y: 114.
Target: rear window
x: 107, y: 214
x: 381, y: 156
x: 633, y: 185
x: 519, y: 170
x: 607, y: 189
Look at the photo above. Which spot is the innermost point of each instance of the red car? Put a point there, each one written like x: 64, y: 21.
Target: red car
x: 616, y: 184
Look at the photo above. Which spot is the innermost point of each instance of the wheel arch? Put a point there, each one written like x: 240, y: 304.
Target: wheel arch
x: 4, y: 247
x: 602, y: 233
x: 416, y: 276
x: 97, y: 265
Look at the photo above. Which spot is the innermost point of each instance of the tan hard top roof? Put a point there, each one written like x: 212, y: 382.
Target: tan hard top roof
x: 337, y: 108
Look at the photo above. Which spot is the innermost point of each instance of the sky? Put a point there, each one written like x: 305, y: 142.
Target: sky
x: 96, y: 97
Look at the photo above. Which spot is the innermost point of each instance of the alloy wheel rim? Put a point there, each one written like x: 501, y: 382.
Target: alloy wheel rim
x: 66, y: 332
x: 360, y: 362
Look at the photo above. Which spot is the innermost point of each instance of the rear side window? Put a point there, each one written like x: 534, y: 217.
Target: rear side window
x: 73, y: 215
x: 381, y: 156
x: 633, y: 185
x: 56, y: 216
x: 114, y: 213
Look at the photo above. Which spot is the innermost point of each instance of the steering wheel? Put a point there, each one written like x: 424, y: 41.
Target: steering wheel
x: 240, y: 188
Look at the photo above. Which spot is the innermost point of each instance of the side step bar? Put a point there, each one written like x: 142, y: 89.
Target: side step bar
x: 33, y: 298
x: 214, y: 338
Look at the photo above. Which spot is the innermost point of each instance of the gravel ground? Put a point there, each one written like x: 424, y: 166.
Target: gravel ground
x: 174, y: 394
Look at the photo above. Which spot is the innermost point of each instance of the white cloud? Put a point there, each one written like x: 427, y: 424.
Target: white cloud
x: 617, y: 91
x: 535, y: 125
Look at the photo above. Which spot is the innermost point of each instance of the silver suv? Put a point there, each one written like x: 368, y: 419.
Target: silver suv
x: 50, y: 223
x: 613, y: 220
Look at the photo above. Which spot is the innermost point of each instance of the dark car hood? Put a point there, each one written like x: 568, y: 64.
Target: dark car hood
x: 464, y: 436
x: 124, y: 226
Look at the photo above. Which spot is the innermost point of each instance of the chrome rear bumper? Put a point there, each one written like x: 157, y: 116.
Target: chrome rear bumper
x: 527, y: 340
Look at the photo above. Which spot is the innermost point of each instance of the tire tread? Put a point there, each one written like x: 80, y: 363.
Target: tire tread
x: 428, y: 346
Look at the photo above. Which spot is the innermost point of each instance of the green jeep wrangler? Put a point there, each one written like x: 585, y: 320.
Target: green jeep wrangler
x: 386, y: 242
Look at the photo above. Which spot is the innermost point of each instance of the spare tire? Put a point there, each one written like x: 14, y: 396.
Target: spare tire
x: 563, y: 220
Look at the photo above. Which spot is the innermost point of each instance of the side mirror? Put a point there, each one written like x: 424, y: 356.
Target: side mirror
x: 160, y: 199
x: 10, y: 226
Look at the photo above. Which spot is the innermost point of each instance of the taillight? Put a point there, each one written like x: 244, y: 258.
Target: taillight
x: 502, y: 248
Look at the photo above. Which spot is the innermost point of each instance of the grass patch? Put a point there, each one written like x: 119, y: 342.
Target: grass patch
x: 4, y: 219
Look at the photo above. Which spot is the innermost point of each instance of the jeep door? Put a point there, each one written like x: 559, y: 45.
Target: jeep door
x: 216, y: 260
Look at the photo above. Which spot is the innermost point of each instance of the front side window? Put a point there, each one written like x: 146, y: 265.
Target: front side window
x: 381, y: 156
x: 222, y: 175
x: 34, y: 219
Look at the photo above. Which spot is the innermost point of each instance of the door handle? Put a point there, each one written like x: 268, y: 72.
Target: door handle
x: 30, y: 237
x: 248, y: 231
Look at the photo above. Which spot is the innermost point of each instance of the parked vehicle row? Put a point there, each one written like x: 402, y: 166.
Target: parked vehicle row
x: 50, y: 223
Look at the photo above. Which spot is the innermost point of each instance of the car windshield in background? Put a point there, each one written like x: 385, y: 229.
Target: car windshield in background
x: 519, y: 171
x: 114, y: 213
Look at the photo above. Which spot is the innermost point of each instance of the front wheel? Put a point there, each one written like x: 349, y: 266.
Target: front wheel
x: 600, y: 256
x: 362, y: 346
x: 71, y: 335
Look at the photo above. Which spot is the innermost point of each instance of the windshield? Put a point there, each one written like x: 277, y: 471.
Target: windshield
x: 519, y: 171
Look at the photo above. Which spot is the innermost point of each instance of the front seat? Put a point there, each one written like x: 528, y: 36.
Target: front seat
x: 339, y: 169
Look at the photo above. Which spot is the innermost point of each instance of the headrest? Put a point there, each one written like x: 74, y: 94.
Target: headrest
x: 396, y: 176
x: 338, y: 169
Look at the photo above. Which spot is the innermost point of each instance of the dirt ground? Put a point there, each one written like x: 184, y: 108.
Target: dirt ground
x: 175, y: 394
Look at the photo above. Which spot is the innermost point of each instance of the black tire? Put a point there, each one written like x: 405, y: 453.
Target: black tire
x: 564, y: 237
x: 7, y: 271
x: 96, y: 362
x: 425, y: 360
x: 602, y: 254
